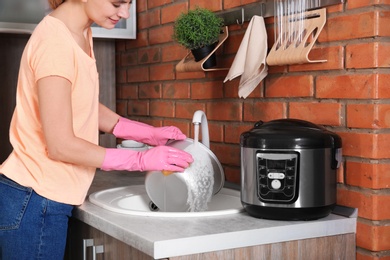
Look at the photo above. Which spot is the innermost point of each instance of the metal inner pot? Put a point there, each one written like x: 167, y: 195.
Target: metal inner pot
x: 170, y: 193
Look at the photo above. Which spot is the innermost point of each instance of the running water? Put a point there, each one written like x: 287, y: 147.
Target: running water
x: 199, y: 179
x: 200, y: 176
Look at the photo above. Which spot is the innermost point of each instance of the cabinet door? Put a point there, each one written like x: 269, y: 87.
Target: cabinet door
x: 113, y: 248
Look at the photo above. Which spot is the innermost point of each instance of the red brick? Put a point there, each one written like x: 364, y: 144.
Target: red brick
x: 172, y: 53
x: 363, y: 3
x: 373, y: 237
x: 160, y: 34
x: 176, y: 90
x: 366, y: 145
x: 223, y: 110
x: 353, y: 86
x: 121, y: 75
x: 368, y: 55
x: 162, y: 108
x: 128, y: 58
x: 157, y: 3
x: 162, y: 71
x: 289, y: 86
x: 137, y: 108
x: 214, y: 5
x: 375, y: 175
x: 121, y: 108
x: 206, y: 90
x: 148, y: 19
x: 374, y: 116
x: 232, y: 174
x: 138, y: 74
x: 264, y: 111
x: 149, y: 55
x: 318, y: 113
x: 352, y: 26
x: 370, y: 204
x: 150, y: 91
x: 383, y: 23
x: 233, y: 132
x: 171, y: 12
x: 128, y: 92
x: 141, y: 6
x: 216, y: 132
x: 141, y: 40
x: 227, y: 154
x: 227, y: 4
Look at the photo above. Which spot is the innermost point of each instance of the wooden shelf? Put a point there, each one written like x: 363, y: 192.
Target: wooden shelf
x: 188, y: 63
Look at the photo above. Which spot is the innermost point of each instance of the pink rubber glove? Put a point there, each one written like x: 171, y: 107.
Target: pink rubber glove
x: 156, y: 159
x: 140, y: 132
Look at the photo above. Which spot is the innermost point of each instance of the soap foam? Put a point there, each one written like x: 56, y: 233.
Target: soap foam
x: 199, y: 179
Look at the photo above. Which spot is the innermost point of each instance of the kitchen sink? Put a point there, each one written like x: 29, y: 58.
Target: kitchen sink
x: 133, y: 200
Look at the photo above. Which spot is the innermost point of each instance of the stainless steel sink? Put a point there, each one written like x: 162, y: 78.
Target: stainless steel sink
x: 133, y: 200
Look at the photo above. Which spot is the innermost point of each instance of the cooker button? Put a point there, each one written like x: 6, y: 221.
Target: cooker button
x: 276, y: 184
x: 289, y: 191
x: 290, y: 181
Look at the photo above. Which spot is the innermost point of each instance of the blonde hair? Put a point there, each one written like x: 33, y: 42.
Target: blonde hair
x: 55, y: 3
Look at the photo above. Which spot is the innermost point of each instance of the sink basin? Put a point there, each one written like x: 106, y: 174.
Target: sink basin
x: 133, y: 200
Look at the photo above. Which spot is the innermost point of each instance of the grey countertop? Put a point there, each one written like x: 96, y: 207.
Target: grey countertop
x: 168, y: 237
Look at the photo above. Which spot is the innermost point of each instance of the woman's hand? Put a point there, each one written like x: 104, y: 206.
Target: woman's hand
x: 140, y: 132
x: 160, y: 158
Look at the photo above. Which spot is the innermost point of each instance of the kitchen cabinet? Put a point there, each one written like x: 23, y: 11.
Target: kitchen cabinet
x: 113, y: 248
x: 331, y: 247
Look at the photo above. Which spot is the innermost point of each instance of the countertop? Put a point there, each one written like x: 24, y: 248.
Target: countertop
x: 169, y: 237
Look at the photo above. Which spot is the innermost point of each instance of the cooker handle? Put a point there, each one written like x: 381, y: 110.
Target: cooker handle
x: 258, y: 123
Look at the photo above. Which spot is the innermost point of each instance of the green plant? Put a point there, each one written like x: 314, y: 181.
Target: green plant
x: 197, y: 28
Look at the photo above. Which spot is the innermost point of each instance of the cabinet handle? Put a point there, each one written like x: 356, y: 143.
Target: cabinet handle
x: 86, y: 243
x: 97, y: 250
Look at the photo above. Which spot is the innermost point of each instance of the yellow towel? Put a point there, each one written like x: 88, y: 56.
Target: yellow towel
x: 250, y: 60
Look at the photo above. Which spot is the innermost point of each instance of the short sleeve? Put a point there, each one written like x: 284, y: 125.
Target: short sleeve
x: 52, y: 55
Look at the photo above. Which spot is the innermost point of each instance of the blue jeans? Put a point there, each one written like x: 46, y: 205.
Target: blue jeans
x: 31, y: 226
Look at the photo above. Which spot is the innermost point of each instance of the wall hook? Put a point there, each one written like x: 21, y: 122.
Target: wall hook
x: 242, y: 17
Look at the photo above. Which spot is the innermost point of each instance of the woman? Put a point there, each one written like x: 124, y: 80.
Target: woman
x: 54, y: 132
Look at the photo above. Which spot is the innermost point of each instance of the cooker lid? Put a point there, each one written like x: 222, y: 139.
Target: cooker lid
x: 289, y: 134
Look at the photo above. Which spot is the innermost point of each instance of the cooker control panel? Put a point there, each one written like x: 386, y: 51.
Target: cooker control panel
x: 277, y: 176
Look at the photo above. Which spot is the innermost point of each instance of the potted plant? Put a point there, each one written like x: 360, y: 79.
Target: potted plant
x: 198, y: 30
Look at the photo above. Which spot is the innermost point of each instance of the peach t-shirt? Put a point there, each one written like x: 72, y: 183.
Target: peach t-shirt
x: 51, y: 50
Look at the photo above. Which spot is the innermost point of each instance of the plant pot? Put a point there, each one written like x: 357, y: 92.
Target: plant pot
x: 201, y: 53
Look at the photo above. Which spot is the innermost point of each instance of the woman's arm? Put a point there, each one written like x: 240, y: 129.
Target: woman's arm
x: 55, y: 107
x: 54, y: 97
x: 107, y: 119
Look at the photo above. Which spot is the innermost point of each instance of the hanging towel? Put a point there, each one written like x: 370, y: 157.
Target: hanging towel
x: 250, y: 60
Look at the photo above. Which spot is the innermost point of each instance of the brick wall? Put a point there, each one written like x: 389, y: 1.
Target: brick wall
x: 349, y: 94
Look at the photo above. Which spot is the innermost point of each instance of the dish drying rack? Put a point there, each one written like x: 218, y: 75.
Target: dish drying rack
x: 284, y: 52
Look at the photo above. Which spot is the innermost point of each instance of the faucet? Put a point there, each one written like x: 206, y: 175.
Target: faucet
x: 200, y: 118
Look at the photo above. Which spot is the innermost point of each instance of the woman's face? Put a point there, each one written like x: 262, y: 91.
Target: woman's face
x: 107, y: 13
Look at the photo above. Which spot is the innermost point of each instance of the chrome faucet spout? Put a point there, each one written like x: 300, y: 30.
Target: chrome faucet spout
x: 200, y: 118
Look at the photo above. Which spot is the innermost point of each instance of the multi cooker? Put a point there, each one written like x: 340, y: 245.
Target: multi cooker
x: 288, y: 170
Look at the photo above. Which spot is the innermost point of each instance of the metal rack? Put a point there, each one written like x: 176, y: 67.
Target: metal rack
x: 266, y: 9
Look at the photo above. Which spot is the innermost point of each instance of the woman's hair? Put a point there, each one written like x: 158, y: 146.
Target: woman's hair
x: 55, y: 3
